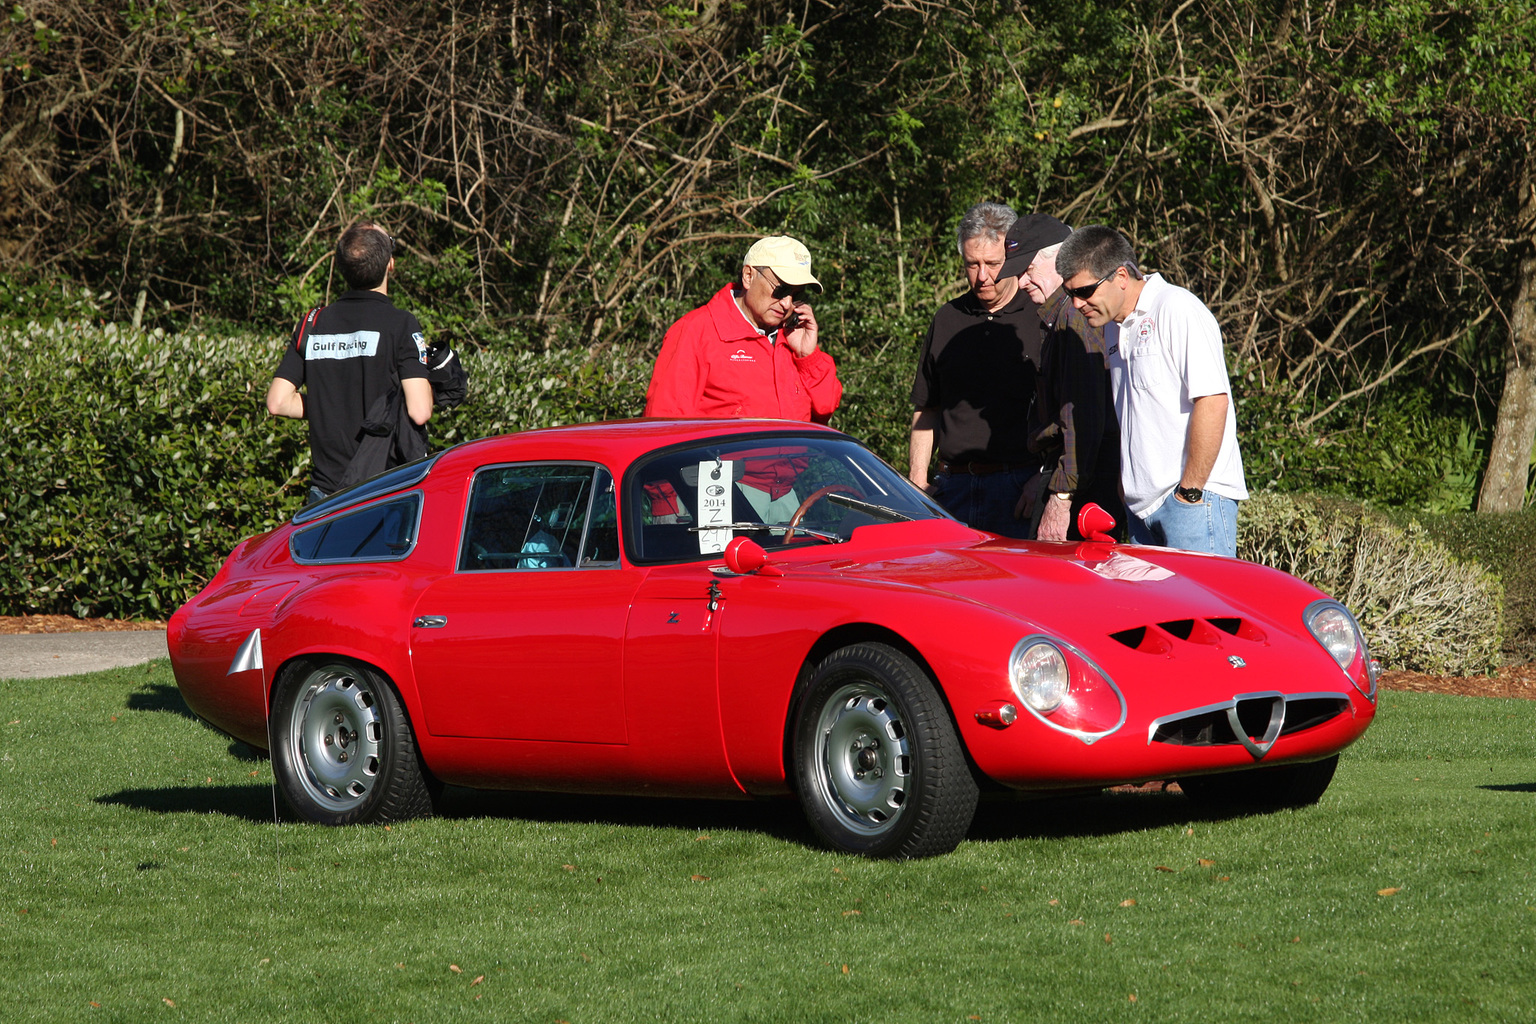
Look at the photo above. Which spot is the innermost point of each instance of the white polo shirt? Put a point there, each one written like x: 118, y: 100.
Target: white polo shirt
x: 1168, y: 354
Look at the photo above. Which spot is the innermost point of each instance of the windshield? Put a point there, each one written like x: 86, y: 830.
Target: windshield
x: 688, y: 503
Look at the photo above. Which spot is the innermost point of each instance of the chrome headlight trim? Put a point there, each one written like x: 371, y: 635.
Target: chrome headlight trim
x: 1316, y: 610
x: 1038, y: 674
x: 1087, y: 736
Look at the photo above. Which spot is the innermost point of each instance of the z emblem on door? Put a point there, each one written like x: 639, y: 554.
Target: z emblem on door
x: 671, y: 618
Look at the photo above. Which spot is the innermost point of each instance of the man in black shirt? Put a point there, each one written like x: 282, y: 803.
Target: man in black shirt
x: 973, y: 386
x: 1074, y: 428
x: 348, y: 356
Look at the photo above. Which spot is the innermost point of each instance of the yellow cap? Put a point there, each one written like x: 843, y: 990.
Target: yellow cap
x: 787, y: 258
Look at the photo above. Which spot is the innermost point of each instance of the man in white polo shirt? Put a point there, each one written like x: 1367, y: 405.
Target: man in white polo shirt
x: 1181, y: 470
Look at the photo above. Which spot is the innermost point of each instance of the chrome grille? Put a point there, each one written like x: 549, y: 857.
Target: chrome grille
x: 1252, y: 720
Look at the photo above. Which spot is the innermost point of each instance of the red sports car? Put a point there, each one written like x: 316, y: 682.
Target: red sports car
x: 751, y: 609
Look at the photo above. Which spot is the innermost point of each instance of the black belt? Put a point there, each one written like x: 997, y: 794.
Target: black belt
x: 983, y: 468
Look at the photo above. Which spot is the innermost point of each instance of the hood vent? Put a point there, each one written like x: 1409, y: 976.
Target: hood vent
x: 1158, y: 638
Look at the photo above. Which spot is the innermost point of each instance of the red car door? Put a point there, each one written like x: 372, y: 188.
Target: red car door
x: 525, y: 639
x: 532, y: 655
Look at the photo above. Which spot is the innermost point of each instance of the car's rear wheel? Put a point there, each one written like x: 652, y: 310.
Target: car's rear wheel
x: 342, y: 747
x: 1286, y: 785
x: 878, y: 765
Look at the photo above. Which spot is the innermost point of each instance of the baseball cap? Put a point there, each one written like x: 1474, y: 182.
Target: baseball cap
x: 787, y: 258
x: 1029, y: 234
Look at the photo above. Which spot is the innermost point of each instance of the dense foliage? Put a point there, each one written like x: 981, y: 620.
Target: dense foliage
x: 1421, y: 607
x: 135, y: 463
x: 141, y: 459
x: 1505, y: 544
x: 1349, y: 185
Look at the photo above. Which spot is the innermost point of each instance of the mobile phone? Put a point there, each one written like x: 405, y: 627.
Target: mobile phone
x: 792, y: 321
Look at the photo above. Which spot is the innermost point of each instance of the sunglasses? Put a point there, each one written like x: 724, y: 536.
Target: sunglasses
x: 781, y: 290
x: 1086, y: 291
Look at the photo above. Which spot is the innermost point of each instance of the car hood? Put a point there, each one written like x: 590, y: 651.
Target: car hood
x: 1059, y: 587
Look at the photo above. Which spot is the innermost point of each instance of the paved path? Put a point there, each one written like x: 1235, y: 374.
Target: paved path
x: 43, y: 655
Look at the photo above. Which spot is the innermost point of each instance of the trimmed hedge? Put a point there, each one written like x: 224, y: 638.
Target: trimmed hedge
x: 1505, y: 544
x: 1422, y: 608
x: 135, y: 462
x: 139, y: 461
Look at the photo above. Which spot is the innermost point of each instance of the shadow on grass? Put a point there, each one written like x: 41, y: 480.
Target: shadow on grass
x: 997, y: 820
x: 778, y: 818
x: 250, y: 803
x: 1514, y: 787
x: 160, y: 697
x: 165, y: 698
x: 1086, y: 814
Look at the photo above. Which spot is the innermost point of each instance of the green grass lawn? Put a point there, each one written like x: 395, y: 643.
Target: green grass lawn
x: 143, y: 879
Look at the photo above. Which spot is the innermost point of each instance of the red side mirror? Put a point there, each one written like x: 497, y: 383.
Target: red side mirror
x: 1094, y: 524
x: 745, y: 556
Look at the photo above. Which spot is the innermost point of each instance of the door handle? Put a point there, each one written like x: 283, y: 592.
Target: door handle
x: 430, y: 621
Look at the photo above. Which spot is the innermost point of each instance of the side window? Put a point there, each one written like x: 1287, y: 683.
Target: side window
x: 540, y: 516
x: 382, y: 532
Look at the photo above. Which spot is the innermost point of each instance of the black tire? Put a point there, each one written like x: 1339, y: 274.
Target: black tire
x: 1286, y: 785
x: 342, y: 747
x: 878, y: 765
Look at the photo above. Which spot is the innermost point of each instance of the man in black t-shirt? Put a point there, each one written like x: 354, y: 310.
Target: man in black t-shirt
x: 973, y: 386
x: 348, y: 357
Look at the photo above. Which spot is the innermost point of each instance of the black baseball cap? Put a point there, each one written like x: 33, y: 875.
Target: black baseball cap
x: 1029, y: 234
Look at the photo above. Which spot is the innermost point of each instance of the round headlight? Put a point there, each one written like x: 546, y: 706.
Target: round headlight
x: 1335, y: 630
x: 1038, y: 673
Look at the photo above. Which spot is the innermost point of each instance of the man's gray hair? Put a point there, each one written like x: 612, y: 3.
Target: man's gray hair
x: 985, y: 220
x: 1097, y: 250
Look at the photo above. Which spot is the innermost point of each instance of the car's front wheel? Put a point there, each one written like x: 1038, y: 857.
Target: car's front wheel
x: 342, y: 747
x: 878, y: 765
x: 1285, y: 785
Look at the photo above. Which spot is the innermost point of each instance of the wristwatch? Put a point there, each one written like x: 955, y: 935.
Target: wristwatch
x: 1193, y: 495
x: 1064, y: 495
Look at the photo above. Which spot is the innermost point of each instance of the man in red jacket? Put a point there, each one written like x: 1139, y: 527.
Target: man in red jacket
x: 752, y: 349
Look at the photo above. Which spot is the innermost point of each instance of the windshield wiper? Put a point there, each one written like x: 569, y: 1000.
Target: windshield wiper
x: 809, y: 531
x: 879, y: 511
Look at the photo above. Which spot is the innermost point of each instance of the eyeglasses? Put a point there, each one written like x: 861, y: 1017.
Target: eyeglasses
x: 1086, y: 291
x: 782, y: 291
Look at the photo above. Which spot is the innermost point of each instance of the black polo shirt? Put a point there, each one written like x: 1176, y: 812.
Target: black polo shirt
x: 978, y: 369
x: 356, y: 349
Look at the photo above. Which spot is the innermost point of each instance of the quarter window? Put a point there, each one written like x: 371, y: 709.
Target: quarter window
x: 382, y: 532
x: 540, y: 516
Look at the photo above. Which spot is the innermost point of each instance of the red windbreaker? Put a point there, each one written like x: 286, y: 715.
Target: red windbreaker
x: 713, y: 364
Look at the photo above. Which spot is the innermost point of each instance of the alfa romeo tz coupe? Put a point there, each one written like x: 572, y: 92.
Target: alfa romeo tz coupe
x: 749, y: 609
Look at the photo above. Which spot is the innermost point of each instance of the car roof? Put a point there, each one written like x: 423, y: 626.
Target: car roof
x: 613, y: 443
x: 617, y: 442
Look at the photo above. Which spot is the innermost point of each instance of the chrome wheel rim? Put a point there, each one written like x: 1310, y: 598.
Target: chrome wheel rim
x: 863, y: 758
x: 335, y: 738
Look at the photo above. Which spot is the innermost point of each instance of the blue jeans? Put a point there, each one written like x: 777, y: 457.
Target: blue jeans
x: 1209, y: 526
x: 985, y: 501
